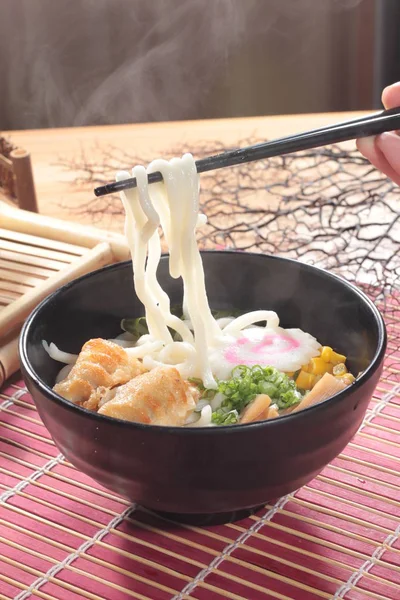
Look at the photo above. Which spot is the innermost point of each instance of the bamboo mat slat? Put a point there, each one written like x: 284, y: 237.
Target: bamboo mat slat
x: 64, y: 536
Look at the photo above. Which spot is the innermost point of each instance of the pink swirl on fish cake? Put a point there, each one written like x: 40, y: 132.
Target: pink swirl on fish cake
x: 245, y: 351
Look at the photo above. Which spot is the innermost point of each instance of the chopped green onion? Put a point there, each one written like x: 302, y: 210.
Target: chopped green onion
x: 220, y: 417
x: 137, y: 327
x: 247, y: 382
x: 266, y: 387
x: 198, y: 382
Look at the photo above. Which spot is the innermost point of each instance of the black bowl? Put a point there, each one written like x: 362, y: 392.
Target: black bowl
x: 210, y: 470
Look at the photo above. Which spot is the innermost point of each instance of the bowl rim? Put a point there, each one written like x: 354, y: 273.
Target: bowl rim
x: 222, y: 430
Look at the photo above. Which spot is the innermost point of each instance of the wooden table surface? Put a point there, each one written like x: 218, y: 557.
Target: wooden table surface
x: 57, y: 153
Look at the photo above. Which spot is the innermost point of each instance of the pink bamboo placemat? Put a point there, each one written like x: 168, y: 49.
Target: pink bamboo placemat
x: 62, y: 536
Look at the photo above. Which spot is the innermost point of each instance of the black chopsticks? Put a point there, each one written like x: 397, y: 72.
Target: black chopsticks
x: 374, y: 124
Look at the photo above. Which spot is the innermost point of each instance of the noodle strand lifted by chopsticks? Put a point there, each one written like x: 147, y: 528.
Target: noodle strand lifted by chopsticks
x: 174, y: 204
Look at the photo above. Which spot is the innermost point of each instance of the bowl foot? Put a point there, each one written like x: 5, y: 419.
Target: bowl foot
x: 205, y: 519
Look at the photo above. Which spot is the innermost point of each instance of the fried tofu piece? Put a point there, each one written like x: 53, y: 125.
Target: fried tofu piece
x: 101, y: 365
x: 159, y: 397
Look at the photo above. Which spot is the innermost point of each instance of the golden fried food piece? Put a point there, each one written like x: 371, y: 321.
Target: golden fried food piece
x: 101, y: 365
x: 159, y: 397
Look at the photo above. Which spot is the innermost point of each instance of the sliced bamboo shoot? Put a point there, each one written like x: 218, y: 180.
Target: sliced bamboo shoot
x: 326, y: 387
x: 272, y: 413
x: 255, y: 411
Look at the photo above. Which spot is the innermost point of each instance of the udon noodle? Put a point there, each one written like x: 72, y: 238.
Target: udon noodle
x: 199, y: 350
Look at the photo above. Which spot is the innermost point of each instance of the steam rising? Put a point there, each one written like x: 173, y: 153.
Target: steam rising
x: 105, y: 61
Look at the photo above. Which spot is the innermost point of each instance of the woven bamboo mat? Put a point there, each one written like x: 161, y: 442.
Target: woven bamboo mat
x: 63, y: 536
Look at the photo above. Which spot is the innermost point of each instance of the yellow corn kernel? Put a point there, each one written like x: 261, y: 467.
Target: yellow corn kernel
x: 348, y: 378
x: 326, y: 353
x: 305, y: 381
x: 339, y: 370
x: 317, y: 366
x: 337, y: 358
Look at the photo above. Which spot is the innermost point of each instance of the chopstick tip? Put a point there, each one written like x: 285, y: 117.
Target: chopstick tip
x: 102, y: 190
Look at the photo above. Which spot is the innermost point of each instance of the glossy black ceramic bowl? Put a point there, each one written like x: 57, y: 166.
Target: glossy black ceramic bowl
x: 210, y: 470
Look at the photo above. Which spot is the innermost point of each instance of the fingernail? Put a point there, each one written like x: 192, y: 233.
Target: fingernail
x: 366, y: 144
x: 389, y: 142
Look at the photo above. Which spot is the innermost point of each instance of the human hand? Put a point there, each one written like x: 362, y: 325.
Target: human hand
x: 383, y: 151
